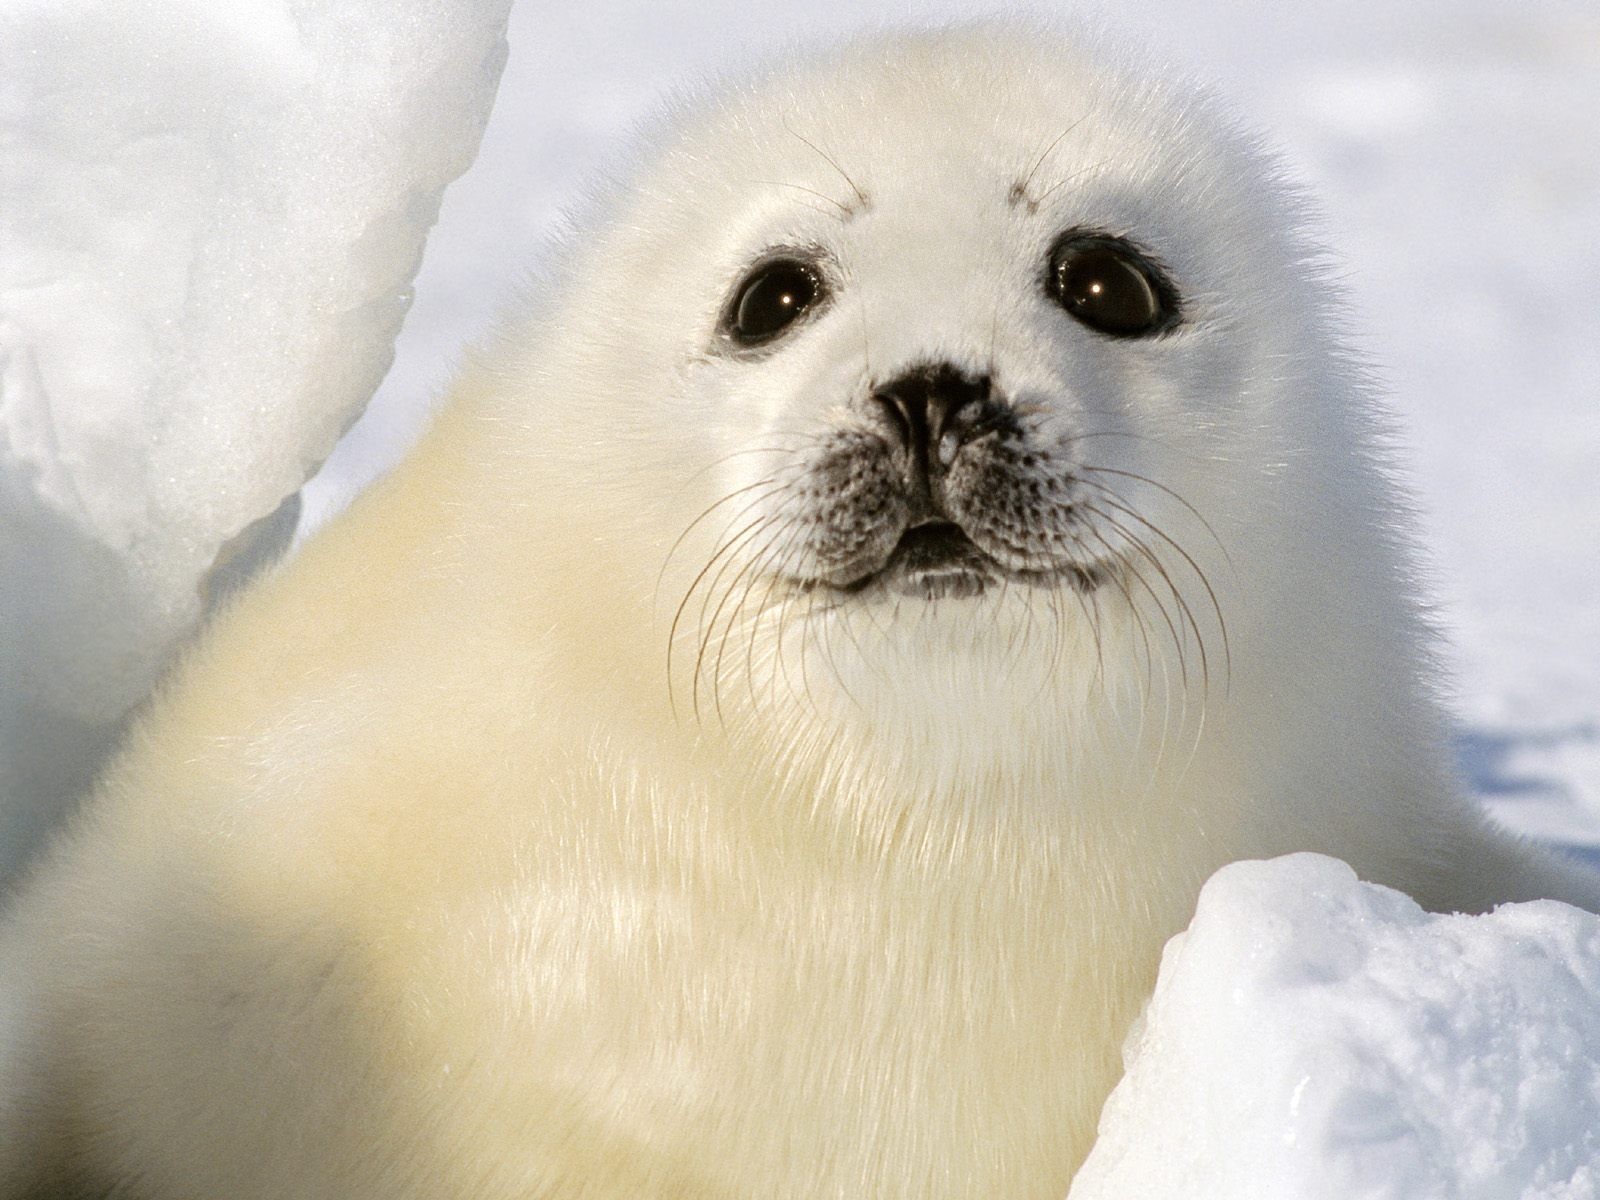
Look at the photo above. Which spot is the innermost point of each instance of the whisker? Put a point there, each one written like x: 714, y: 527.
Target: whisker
x: 861, y: 197
x: 1027, y: 628
x: 1060, y: 183
x: 751, y: 573
x: 861, y: 654
x: 866, y: 340
x: 1099, y: 642
x: 708, y: 628
x: 799, y: 439
x: 1177, y: 594
x: 1222, y: 546
x: 824, y: 629
x: 844, y: 209
x: 776, y: 578
x: 706, y: 512
x: 727, y: 547
x: 780, y: 664
x: 1133, y: 607
x: 1027, y: 182
x: 1205, y: 582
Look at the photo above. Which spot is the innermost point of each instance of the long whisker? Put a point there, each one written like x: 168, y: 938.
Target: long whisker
x: 1145, y: 479
x: 780, y: 664
x: 1099, y: 641
x: 751, y: 573
x: 1177, y: 641
x: 844, y: 209
x: 861, y: 655
x: 861, y: 197
x: 776, y: 577
x: 769, y: 483
x: 824, y: 637
x: 754, y: 530
x: 1177, y: 593
x: 728, y: 546
x: 1022, y: 188
x: 722, y: 548
x: 689, y: 479
x: 1072, y: 541
x: 1060, y: 183
x: 1216, y: 607
x: 1151, y: 659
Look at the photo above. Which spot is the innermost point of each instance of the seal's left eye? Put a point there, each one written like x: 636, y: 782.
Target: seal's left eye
x: 770, y: 299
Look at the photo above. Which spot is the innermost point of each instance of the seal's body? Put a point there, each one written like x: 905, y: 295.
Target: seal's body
x: 759, y: 743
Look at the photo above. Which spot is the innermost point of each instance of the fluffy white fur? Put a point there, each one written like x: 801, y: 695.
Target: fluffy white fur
x: 419, y: 881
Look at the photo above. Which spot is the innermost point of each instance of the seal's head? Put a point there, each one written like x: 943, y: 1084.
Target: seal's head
x: 973, y: 349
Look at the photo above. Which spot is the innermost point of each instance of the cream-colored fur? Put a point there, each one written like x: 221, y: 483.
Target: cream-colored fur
x: 418, y: 881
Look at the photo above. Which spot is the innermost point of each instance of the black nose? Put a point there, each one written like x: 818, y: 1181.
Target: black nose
x: 922, y: 406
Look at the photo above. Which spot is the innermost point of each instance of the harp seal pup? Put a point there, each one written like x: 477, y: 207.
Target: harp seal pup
x: 759, y: 742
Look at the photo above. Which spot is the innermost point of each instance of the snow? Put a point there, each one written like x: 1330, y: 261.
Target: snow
x: 212, y: 215
x: 1313, y: 1036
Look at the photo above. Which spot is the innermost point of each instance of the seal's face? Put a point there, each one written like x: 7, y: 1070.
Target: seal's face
x: 944, y: 486
x: 985, y: 362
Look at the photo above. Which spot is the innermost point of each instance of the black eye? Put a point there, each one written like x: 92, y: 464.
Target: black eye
x: 770, y: 299
x: 1110, y: 287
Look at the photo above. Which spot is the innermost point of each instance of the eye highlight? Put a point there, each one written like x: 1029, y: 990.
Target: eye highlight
x: 1108, y: 285
x: 770, y: 299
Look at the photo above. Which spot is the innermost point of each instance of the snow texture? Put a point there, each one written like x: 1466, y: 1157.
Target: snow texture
x: 210, y: 218
x: 1317, y: 1037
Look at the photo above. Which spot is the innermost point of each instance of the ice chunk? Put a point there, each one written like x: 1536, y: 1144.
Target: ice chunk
x: 210, y: 217
x: 1313, y: 1036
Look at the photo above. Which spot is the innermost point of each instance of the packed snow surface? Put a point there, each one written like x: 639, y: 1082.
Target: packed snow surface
x: 1320, y: 1038
x: 210, y: 218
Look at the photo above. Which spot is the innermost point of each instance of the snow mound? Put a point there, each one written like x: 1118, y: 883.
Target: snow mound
x: 1313, y: 1036
x: 210, y: 217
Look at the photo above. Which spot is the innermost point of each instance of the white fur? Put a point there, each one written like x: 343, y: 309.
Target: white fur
x: 420, y: 881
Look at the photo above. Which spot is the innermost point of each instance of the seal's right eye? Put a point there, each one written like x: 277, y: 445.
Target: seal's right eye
x: 1108, y: 285
x: 771, y: 298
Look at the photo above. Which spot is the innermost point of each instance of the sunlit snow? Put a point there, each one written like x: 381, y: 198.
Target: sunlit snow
x: 210, y: 217
x: 1317, y: 1038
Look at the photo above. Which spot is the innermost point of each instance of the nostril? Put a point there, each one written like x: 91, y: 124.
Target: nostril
x: 921, y: 406
x: 898, y: 409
